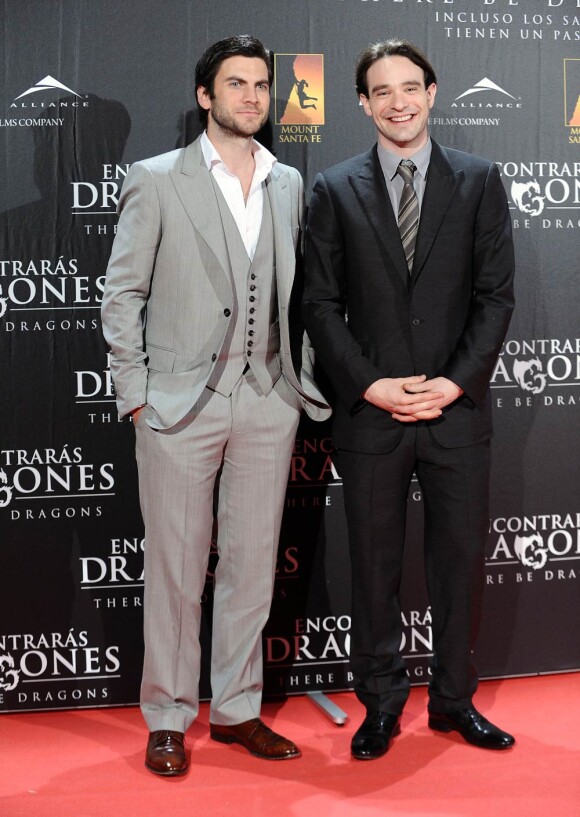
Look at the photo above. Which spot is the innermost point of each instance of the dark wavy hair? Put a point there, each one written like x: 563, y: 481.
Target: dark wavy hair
x: 241, y: 45
x: 391, y: 48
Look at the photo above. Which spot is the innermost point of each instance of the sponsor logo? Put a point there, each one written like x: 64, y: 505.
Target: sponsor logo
x: 299, y: 96
x: 542, y: 371
x: 543, y: 188
x: 115, y: 579
x: 35, y: 110
x: 48, y: 84
x: 572, y: 99
x: 312, y: 472
x: 96, y: 390
x: 526, y: 197
x: 31, y: 287
x: 529, y: 375
x: 47, y: 483
x: 478, y: 104
x: 53, y: 668
x: 484, y: 84
x: 317, y: 654
x: 493, y: 97
x: 8, y: 675
x: 541, y: 547
x: 99, y: 199
x: 531, y: 550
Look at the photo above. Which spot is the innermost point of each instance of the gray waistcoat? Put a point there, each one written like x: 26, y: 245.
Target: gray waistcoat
x: 253, y: 336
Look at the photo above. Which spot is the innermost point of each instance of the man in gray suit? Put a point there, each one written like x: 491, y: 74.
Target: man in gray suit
x: 197, y: 311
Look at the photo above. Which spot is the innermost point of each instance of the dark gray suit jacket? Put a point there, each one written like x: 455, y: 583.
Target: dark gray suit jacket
x: 367, y: 319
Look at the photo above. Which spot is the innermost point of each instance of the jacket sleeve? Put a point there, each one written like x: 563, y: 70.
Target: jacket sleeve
x: 128, y: 283
x: 471, y: 365
x: 324, y: 303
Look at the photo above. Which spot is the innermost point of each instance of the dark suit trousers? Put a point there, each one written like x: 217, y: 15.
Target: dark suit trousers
x: 455, y: 490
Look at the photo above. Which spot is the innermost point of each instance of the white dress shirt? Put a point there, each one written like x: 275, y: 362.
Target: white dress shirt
x: 247, y: 214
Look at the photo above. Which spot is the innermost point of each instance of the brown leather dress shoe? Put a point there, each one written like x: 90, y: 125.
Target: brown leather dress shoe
x: 166, y: 753
x: 257, y: 738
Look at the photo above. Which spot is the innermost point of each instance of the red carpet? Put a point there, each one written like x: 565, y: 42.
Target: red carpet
x: 89, y: 763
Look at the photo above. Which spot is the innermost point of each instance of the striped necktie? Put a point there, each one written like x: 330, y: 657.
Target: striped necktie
x: 408, y: 211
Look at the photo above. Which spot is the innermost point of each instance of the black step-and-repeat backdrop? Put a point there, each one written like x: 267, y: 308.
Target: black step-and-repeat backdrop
x: 89, y: 88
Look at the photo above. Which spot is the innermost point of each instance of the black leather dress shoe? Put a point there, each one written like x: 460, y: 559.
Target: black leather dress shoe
x: 373, y: 737
x: 473, y: 727
x: 166, y: 753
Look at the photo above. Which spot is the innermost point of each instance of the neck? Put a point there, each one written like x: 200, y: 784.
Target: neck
x: 403, y: 151
x: 237, y: 152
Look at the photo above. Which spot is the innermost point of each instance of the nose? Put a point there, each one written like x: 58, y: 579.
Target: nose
x: 398, y: 100
x: 251, y: 94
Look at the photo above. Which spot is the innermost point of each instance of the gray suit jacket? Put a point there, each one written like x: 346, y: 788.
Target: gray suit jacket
x: 168, y: 291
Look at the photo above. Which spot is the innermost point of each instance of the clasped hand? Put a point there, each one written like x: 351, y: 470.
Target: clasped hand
x: 409, y: 399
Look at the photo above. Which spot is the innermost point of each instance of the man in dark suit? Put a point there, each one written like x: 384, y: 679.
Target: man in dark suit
x: 408, y: 298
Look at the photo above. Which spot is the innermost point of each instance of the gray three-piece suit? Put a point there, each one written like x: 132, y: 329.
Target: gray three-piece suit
x: 201, y: 335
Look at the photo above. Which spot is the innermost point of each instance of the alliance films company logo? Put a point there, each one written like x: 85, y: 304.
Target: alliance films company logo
x: 88, y: 198
x: 299, y: 97
x: 34, y: 110
x: 479, y: 105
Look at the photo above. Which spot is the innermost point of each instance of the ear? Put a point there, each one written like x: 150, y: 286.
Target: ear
x: 431, y: 91
x: 365, y: 103
x: 203, y: 98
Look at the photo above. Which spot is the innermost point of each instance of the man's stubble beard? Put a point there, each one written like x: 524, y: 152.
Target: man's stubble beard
x: 228, y: 126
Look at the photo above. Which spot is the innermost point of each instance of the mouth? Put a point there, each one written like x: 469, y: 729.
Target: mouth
x: 402, y: 119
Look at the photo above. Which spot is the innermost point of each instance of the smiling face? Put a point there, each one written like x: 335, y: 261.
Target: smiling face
x: 399, y: 104
x: 238, y: 106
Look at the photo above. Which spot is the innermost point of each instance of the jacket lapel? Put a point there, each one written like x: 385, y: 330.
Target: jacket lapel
x: 371, y: 191
x: 197, y: 195
x: 441, y: 184
x: 278, y: 190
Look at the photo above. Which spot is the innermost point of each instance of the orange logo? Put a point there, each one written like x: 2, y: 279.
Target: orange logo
x: 572, y: 92
x: 299, y: 89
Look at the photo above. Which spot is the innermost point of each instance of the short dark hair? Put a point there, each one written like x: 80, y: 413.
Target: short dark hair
x: 241, y: 45
x: 391, y: 48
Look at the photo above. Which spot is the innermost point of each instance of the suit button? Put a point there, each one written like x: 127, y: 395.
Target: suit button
x: 253, y: 276
x: 248, y: 353
x: 251, y: 332
x: 227, y: 312
x: 252, y: 310
x: 250, y: 343
x: 416, y: 322
x: 252, y: 298
x: 251, y: 320
x: 214, y: 357
x: 252, y: 287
